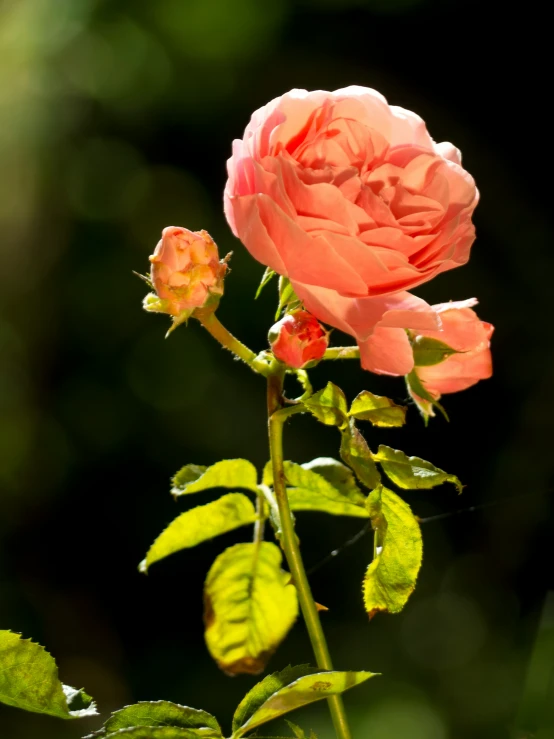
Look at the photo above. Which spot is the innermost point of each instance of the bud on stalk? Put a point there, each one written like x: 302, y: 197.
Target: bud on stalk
x: 298, y: 340
x: 186, y: 274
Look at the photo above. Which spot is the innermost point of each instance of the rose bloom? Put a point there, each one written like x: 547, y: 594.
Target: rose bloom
x: 466, y: 333
x: 351, y: 199
x: 298, y: 339
x: 185, y: 271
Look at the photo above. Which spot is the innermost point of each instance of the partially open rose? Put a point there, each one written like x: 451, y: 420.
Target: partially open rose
x: 470, y: 337
x: 341, y: 192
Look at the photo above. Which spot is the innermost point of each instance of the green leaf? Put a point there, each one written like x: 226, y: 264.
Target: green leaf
x: 391, y: 577
x: 378, y: 410
x: 428, y: 352
x: 161, y: 713
x: 157, y: 732
x: 29, y: 680
x: 329, y: 406
x: 200, y: 524
x: 309, y: 491
x: 412, y: 473
x: 229, y: 473
x: 294, y: 693
x: 268, y: 275
x: 298, y: 732
x: 249, y: 607
x: 257, y: 696
x: 423, y: 399
x: 287, y: 296
x: 357, y: 455
x: 339, y: 475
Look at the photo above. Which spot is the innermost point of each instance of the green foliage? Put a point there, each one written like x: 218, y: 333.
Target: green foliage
x: 391, y: 577
x: 423, y: 399
x: 329, y: 406
x: 161, y: 713
x: 288, y: 300
x: 338, y: 475
x: 229, y: 473
x: 29, y: 680
x: 412, y: 473
x: 249, y: 607
x: 310, y: 491
x: 298, y: 732
x: 200, y: 524
x: 428, y: 352
x: 158, y: 732
x: 292, y: 688
x: 267, y: 276
x: 357, y: 455
x: 378, y: 410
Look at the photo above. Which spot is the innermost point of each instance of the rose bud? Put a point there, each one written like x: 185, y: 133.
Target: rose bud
x: 298, y: 340
x: 186, y: 273
x: 469, y: 337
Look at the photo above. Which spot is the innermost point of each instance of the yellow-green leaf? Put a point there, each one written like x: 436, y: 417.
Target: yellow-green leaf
x: 156, y: 732
x: 357, y: 455
x: 229, y: 473
x: 378, y: 410
x: 428, y: 352
x: 161, y: 713
x: 301, y: 692
x: 412, y: 473
x: 338, y: 475
x: 309, y: 491
x: 249, y: 607
x: 391, y: 577
x: 29, y: 680
x: 329, y: 406
x: 200, y: 524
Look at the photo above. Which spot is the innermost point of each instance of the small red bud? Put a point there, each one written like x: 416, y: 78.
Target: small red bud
x: 298, y: 339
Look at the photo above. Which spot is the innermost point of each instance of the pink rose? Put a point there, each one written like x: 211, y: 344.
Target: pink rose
x: 463, y: 331
x: 351, y: 199
x: 186, y: 272
x: 298, y: 339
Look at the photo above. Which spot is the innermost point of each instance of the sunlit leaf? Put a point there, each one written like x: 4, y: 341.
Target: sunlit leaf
x: 229, y: 473
x: 412, y: 473
x: 339, y: 475
x: 249, y: 607
x: 161, y: 713
x: 329, y: 406
x: 357, y: 455
x: 422, y: 397
x: 378, y: 410
x: 309, y: 491
x: 29, y: 680
x: 287, y: 297
x: 157, y: 732
x: 259, y: 707
x: 428, y: 352
x: 391, y: 577
x: 299, y: 733
x: 268, y: 275
x: 200, y: 524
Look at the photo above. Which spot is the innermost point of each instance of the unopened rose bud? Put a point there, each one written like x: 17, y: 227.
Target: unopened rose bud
x: 186, y: 273
x: 298, y: 339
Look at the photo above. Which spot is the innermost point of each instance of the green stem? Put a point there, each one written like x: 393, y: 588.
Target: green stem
x: 214, y: 327
x: 342, y: 352
x: 289, y: 541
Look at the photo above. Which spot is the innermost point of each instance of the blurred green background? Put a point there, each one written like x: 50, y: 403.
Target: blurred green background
x: 116, y: 120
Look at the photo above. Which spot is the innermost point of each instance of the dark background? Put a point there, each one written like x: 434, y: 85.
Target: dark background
x: 117, y: 118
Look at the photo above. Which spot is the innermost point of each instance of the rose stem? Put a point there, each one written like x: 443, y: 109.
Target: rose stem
x: 214, y: 327
x: 277, y: 416
x: 342, y: 352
